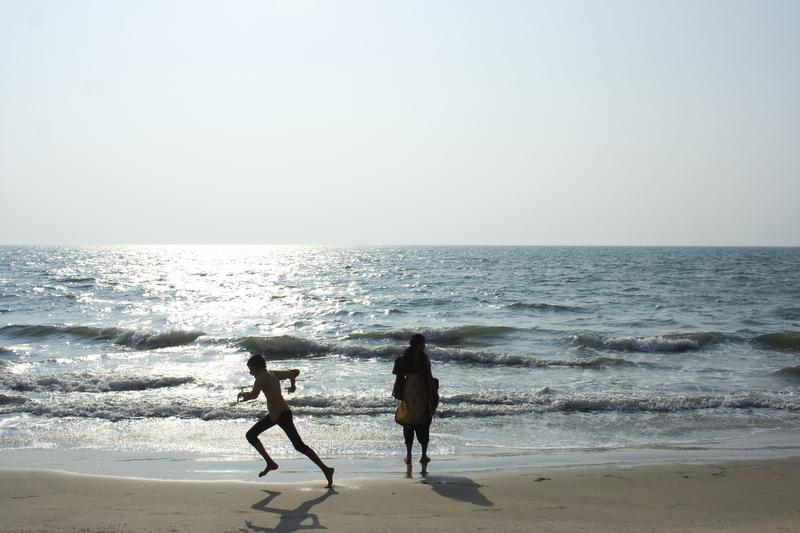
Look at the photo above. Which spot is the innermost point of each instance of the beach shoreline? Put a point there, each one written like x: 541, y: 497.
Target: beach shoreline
x: 747, y: 495
x: 192, y: 466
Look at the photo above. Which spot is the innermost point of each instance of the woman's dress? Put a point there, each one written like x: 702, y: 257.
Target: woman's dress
x: 414, y: 408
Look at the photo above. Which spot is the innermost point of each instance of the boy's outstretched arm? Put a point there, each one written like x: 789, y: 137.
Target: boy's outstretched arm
x: 245, y: 396
x: 291, y: 375
x: 286, y: 374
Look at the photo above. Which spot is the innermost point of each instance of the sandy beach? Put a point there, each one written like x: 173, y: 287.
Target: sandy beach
x: 740, y: 496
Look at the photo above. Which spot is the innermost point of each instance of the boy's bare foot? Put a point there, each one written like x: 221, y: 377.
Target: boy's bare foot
x: 268, y: 469
x: 424, y: 459
x: 329, y: 476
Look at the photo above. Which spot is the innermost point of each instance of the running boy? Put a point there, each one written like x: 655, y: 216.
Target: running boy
x: 278, y: 412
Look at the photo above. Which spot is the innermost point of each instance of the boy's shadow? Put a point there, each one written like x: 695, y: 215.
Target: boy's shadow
x: 290, y: 519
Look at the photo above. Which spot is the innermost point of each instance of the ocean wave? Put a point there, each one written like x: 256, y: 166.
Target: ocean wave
x: 3, y: 350
x: 143, y: 340
x: 76, y: 279
x: 474, y: 405
x: 789, y: 313
x: 445, y: 335
x: 659, y: 343
x: 538, y: 306
x: 792, y: 372
x: 368, y: 352
x: 292, y: 347
x: 788, y: 340
x: 282, y: 346
x: 37, y: 331
x: 11, y: 400
x: 116, y: 409
x: 502, y: 359
x: 90, y: 383
x: 546, y: 401
x: 140, y: 340
x: 668, y: 404
x: 489, y: 397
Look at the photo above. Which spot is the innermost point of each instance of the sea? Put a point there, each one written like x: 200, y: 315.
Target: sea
x: 126, y: 360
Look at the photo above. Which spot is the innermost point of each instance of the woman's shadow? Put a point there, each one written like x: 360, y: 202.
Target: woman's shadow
x: 290, y: 519
x: 458, y: 488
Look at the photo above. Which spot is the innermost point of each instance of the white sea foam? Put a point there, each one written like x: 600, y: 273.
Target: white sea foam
x: 142, y: 340
x: 89, y: 382
x: 656, y: 343
x: 479, y: 404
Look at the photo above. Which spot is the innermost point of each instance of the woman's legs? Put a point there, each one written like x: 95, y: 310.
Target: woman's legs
x: 423, y: 436
x: 408, y: 437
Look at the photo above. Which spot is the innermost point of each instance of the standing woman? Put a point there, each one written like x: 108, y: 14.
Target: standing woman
x: 417, y: 391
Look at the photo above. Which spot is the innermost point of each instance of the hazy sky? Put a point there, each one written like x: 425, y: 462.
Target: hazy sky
x: 405, y: 122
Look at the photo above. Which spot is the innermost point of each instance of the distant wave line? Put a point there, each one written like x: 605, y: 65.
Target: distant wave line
x: 88, y: 382
x: 483, y: 404
x: 141, y: 340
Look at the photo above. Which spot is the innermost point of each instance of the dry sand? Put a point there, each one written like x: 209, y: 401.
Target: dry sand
x: 747, y: 496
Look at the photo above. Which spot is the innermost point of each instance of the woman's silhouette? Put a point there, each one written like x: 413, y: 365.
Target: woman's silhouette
x: 416, y: 390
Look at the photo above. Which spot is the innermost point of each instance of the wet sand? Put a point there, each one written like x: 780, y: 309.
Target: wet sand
x: 737, y: 496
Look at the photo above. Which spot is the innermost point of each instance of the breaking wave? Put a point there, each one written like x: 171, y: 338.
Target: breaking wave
x: 297, y: 348
x: 479, y: 404
x: 446, y: 335
x: 662, y: 343
x: 789, y: 340
x: 539, y: 306
x: 283, y: 346
x: 143, y: 340
x: 11, y: 400
x: 36, y: 331
x: 140, y: 340
x: 90, y: 383
x: 792, y: 372
x: 501, y: 359
x: 287, y: 347
x: 291, y: 347
x: 75, y: 279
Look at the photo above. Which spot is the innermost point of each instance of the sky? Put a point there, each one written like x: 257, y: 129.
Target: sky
x: 400, y: 122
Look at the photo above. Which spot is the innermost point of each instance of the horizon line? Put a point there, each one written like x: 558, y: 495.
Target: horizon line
x: 426, y: 245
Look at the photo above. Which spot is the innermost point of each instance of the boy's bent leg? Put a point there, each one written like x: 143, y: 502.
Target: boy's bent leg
x: 287, y: 425
x: 252, y: 437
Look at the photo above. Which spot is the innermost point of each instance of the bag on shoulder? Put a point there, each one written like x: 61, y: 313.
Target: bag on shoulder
x: 399, y: 386
x: 434, y: 394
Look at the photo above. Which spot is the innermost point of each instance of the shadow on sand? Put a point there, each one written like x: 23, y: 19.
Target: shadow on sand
x: 290, y: 519
x: 458, y: 488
